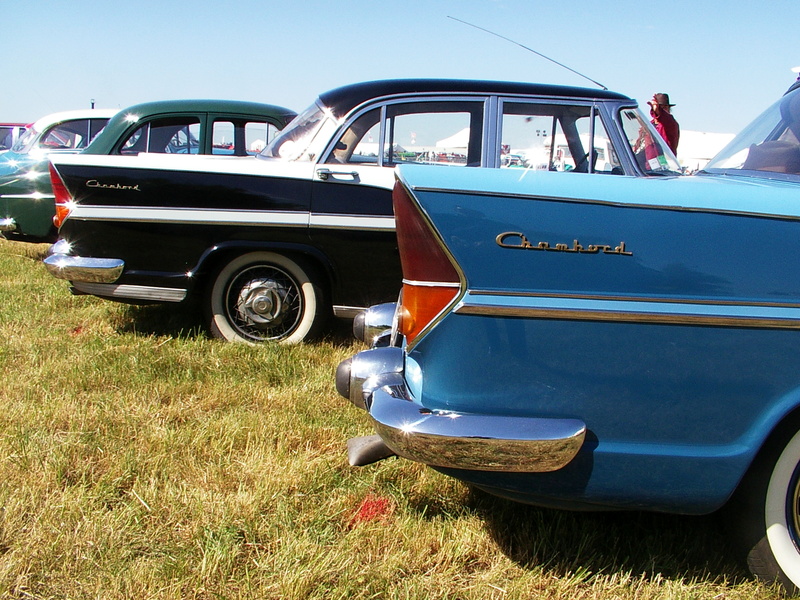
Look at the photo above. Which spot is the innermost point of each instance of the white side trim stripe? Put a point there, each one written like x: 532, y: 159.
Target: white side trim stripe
x: 138, y: 214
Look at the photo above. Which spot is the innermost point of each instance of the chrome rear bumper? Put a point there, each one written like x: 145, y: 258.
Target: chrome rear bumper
x: 374, y: 380
x: 78, y: 268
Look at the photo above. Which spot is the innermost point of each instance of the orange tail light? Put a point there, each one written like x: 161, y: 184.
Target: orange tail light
x: 62, y: 198
x: 430, y: 280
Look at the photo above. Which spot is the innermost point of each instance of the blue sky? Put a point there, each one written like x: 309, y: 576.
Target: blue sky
x: 721, y: 62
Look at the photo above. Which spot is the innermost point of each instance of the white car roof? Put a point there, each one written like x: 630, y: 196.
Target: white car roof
x: 72, y: 115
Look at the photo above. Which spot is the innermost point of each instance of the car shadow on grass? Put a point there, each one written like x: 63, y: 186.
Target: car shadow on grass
x: 186, y: 321
x: 646, y: 545
x: 169, y: 320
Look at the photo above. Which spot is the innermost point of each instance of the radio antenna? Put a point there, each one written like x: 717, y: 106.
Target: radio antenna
x: 530, y: 50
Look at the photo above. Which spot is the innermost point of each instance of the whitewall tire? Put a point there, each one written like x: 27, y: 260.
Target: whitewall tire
x: 766, y: 514
x: 265, y: 296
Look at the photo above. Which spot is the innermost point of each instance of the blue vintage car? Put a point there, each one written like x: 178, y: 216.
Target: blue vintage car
x: 592, y: 342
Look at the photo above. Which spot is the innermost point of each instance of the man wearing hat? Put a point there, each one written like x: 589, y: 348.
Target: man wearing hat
x: 666, y: 125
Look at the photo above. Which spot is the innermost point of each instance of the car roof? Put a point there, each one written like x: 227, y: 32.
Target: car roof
x: 128, y: 117
x: 342, y: 100
x: 119, y: 124
x: 207, y: 105
x: 73, y: 115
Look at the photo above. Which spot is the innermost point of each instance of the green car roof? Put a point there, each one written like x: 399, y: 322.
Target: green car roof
x: 128, y: 118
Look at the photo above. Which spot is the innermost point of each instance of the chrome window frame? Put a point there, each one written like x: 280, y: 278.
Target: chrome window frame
x: 596, y: 109
x: 384, y: 103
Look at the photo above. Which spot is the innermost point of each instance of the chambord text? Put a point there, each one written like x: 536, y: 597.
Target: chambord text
x: 518, y: 241
x: 93, y: 183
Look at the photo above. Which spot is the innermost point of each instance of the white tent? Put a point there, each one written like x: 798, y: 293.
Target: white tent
x: 457, y: 141
x: 696, y: 148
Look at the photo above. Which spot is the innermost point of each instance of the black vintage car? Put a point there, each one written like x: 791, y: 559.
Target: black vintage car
x: 274, y: 244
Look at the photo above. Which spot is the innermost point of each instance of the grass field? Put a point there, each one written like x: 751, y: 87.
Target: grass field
x: 141, y: 459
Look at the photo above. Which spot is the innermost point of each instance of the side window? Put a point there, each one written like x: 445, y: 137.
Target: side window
x: 174, y: 135
x: 239, y: 137
x: 360, y: 143
x: 95, y: 127
x: 258, y: 135
x: 71, y: 135
x: 435, y: 132
x: 555, y: 137
x: 647, y: 145
x: 6, y: 137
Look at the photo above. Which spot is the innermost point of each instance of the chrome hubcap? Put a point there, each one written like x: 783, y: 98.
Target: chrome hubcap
x: 261, y: 301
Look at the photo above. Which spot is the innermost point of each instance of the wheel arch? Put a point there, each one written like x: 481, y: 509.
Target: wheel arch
x: 746, y: 513
x: 769, y: 446
x: 216, y: 257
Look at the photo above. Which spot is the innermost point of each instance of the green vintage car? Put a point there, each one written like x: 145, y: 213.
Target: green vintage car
x: 217, y: 127
x: 26, y: 201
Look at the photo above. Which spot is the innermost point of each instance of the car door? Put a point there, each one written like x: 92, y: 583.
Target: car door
x: 351, y: 217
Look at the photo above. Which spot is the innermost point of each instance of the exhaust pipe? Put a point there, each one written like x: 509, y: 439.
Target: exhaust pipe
x: 366, y: 450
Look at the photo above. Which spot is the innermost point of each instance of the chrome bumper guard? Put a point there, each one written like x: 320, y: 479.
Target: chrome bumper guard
x: 375, y: 324
x: 453, y: 439
x: 77, y: 268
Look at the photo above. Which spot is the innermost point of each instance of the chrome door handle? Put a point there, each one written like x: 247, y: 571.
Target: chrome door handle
x: 325, y: 174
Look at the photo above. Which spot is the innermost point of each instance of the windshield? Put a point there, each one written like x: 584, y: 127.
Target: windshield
x: 25, y: 141
x: 769, y: 146
x: 301, y: 139
x: 649, y: 149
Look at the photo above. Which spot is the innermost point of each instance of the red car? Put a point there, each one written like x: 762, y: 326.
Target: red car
x: 10, y: 133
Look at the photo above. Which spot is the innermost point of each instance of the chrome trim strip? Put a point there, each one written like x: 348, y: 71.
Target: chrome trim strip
x: 471, y: 441
x: 8, y: 224
x: 329, y: 221
x: 138, y: 214
x: 33, y: 196
x: 608, y: 297
x: 133, y: 292
x: 78, y: 268
x: 444, y: 284
x: 632, y: 311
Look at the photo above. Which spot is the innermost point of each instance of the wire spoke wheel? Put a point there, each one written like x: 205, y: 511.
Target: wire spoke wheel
x: 263, y: 302
x: 264, y: 296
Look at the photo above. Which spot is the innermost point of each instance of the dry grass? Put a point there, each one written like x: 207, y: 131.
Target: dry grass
x: 138, y: 458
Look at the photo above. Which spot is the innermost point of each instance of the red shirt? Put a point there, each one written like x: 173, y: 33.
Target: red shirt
x: 668, y: 127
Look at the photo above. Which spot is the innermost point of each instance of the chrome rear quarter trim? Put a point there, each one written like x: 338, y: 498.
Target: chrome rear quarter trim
x: 632, y: 310
x: 131, y: 292
x: 471, y: 441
